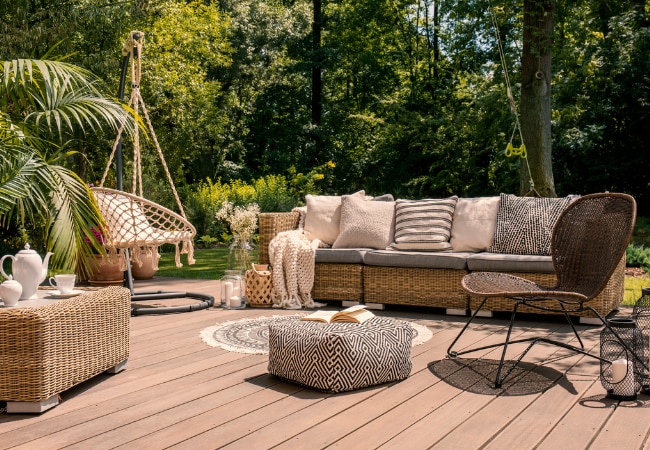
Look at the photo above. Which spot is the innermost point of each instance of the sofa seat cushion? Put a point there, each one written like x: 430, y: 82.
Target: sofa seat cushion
x: 501, y: 262
x: 340, y: 255
x: 427, y: 260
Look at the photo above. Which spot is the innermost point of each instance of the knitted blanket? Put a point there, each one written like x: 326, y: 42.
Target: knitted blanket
x: 292, y: 258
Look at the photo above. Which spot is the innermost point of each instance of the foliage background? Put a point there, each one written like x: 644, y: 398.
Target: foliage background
x: 414, y: 99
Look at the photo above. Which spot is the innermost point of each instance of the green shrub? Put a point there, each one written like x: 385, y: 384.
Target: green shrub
x: 638, y: 256
x: 641, y: 235
x: 271, y: 193
x: 207, y: 241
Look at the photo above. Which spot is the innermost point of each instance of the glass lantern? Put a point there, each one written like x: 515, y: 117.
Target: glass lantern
x: 233, y: 290
x: 621, y: 370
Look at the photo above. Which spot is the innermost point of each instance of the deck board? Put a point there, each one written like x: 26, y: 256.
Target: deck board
x: 177, y: 392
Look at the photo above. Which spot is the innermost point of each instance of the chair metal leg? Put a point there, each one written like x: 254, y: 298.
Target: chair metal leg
x: 500, y: 379
x: 450, y: 352
x: 568, y: 319
x: 497, y: 382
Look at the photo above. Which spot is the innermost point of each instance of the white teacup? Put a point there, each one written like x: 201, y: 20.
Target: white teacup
x: 63, y: 282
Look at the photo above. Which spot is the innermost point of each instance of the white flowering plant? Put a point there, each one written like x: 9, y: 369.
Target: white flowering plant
x: 241, y: 220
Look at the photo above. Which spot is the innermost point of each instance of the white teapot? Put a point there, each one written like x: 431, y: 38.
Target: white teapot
x: 28, y: 269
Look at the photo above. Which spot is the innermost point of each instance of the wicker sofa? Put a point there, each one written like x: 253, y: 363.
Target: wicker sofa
x: 421, y: 278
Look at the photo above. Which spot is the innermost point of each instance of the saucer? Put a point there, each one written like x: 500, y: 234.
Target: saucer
x: 58, y: 294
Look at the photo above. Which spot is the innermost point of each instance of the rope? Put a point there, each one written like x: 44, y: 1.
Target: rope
x: 133, y: 48
x: 133, y: 222
x: 511, y: 150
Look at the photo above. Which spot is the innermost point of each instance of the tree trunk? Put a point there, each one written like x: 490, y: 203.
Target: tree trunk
x: 536, y: 98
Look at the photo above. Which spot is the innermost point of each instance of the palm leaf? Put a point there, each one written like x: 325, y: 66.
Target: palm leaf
x: 42, y: 102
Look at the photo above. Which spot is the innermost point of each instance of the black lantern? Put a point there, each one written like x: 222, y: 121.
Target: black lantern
x: 641, y: 314
x: 622, y: 347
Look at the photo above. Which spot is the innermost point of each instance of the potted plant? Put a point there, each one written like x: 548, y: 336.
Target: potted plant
x: 104, y: 270
x: 148, y: 265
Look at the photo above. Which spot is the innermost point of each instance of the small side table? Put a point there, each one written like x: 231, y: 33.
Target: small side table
x: 49, y: 346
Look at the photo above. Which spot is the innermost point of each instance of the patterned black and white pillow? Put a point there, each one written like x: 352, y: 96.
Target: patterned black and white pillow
x: 424, y: 224
x: 525, y: 224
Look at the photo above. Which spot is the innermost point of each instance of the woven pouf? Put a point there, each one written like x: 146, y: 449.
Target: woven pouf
x: 340, y: 357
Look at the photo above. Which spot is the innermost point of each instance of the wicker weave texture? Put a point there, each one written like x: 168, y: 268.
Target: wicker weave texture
x: 338, y: 282
x: 440, y: 288
x: 604, y: 303
x: 272, y: 224
x: 259, y: 289
x: 436, y: 288
x: 48, y: 349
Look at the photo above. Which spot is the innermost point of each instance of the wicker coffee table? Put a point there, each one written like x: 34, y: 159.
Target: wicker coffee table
x: 49, y: 346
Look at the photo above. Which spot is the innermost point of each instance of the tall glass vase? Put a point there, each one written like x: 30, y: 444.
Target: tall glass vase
x: 239, y: 261
x: 240, y: 253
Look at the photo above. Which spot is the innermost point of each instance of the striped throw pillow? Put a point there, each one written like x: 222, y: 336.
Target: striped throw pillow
x: 424, y: 224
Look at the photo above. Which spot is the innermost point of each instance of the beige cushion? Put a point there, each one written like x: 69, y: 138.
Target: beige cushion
x: 323, y: 217
x: 423, y: 224
x: 525, y: 224
x: 475, y: 219
x: 365, y: 224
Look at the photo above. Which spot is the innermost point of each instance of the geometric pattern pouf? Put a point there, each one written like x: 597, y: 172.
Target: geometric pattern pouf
x: 339, y: 357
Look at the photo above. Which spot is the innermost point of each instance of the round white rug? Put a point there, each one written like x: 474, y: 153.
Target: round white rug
x: 252, y: 335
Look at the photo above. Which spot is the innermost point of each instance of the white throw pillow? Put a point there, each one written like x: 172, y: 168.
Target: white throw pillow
x: 324, y: 216
x: 365, y: 224
x: 475, y: 219
x: 424, y: 224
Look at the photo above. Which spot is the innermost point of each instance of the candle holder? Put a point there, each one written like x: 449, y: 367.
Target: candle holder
x: 641, y: 315
x: 233, y: 290
x: 621, y: 348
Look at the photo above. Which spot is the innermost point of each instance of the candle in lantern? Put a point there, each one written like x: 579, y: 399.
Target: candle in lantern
x: 623, y: 377
x: 227, y: 291
x: 235, y: 301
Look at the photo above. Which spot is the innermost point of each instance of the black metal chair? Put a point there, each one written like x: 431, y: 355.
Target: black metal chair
x: 587, y: 244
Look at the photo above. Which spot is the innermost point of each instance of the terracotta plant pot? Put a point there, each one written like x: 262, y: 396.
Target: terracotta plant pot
x: 104, y: 272
x: 146, y: 271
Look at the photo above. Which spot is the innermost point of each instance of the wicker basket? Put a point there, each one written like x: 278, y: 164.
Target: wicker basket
x: 259, y: 286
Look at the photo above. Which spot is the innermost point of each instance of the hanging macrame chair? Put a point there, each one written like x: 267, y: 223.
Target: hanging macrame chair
x: 133, y: 225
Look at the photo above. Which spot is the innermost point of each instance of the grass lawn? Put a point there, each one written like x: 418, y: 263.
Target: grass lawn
x: 211, y: 264
x: 633, y: 288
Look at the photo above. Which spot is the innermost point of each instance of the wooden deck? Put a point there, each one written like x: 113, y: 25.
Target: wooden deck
x: 178, y: 392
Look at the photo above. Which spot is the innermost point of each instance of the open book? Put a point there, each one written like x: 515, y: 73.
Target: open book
x: 354, y: 314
